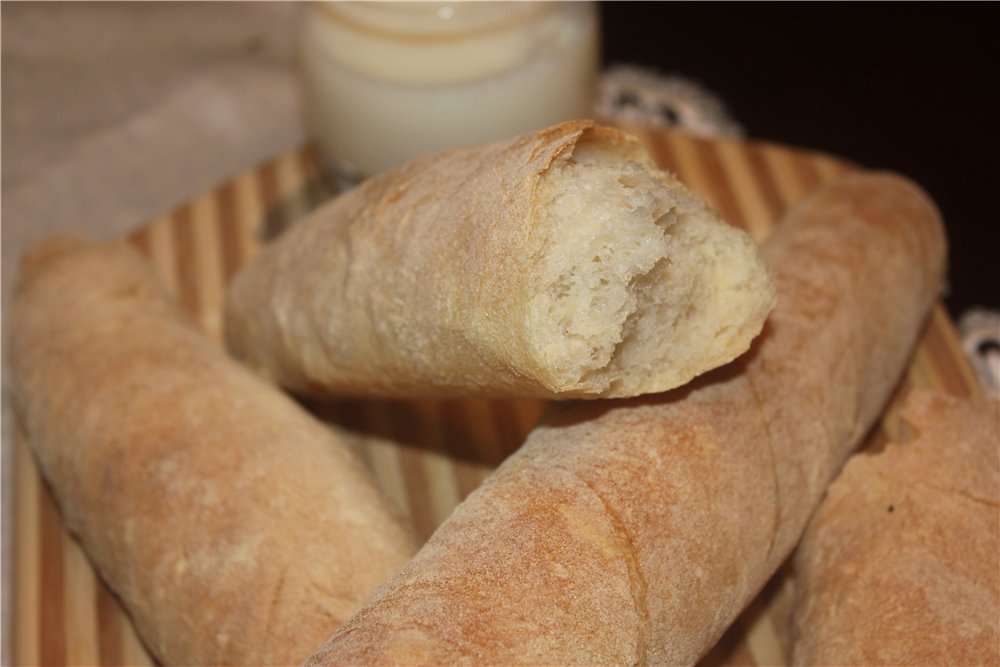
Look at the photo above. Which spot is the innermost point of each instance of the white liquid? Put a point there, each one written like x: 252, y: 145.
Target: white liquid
x: 386, y: 82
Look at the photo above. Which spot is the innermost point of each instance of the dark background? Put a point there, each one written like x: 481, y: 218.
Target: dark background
x: 906, y: 87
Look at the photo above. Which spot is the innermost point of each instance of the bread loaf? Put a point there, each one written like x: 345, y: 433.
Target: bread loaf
x: 901, y: 563
x: 557, y: 264
x: 234, y: 527
x: 634, y: 531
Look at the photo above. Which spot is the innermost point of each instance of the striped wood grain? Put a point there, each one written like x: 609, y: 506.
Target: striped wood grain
x: 428, y: 455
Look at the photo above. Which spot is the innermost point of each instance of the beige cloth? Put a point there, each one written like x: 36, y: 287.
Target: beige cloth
x: 114, y: 113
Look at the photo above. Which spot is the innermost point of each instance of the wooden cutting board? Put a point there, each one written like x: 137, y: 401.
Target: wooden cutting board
x: 428, y: 455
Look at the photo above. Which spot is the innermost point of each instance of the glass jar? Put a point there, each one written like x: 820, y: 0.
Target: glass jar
x: 384, y: 82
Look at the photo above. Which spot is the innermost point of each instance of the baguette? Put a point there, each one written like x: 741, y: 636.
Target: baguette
x: 901, y: 563
x: 556, y: 264
x: 234, y: 527
x: 634, y: 531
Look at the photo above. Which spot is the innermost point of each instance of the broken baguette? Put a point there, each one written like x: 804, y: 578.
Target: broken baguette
x: 234, y: 527
x: 557, y: 264
x: 633, y: 532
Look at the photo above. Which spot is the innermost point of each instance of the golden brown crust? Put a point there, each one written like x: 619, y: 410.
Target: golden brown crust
x: 419, y: 281
x: 901, y: 563
x: 634, y: 532
x: 360, y: 248
x: 234, y: 527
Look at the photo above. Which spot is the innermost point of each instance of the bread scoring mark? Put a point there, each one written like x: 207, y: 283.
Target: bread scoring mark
x: 275, y: 596
x: 920, y: 485
x: 775, y: 477
x: 637, y: 582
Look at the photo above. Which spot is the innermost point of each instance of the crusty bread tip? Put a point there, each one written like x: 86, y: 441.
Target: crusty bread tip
x: 900, y: 565
x: 234, y: 527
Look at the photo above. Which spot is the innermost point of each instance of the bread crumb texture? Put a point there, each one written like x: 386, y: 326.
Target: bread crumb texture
x: 641, y: 285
